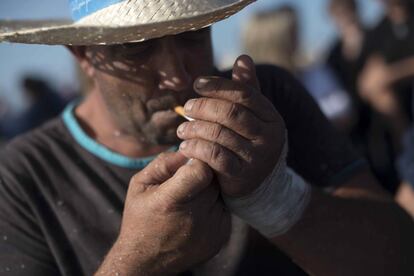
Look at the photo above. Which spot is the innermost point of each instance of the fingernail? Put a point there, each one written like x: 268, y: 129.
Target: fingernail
x: 241, y: 64
x: 235, y: 77
x: 189, y: 105
x: 183, y: 145
x: 200, y: 83
x: 189, y: 161
x: 181, y: 129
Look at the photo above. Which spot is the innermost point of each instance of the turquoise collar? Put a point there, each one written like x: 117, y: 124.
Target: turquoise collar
x: 99, y: 150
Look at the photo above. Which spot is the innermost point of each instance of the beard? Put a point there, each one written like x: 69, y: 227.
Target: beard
x: 143, y: 116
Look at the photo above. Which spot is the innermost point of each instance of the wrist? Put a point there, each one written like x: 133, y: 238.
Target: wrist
x: 277, y: 204
x: 124, y: 259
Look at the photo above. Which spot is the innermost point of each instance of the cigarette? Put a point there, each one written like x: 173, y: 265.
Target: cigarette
x: 180, y: 111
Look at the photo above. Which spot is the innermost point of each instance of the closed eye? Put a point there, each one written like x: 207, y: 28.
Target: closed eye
x: 131, y: 50
x: 196, y: 36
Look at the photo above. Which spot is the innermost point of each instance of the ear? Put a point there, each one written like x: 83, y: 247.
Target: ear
x: 79, y: 53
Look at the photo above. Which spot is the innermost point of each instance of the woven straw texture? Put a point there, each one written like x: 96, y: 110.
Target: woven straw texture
x: 127, y: 21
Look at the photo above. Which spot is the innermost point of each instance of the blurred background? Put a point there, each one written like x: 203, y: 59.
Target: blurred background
x: 56, y: 64
x: 356, y: 58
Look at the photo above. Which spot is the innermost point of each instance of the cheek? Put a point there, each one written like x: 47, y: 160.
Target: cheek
x: 200, y: 62
x: 124, y: 99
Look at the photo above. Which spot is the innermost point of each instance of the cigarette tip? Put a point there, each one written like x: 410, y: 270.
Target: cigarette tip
x: 180, y: 111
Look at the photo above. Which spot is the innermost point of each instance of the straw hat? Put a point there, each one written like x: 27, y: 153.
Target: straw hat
x: 120, y: 21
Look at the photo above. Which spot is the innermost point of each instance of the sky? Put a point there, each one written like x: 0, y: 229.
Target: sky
x: 56, y: 64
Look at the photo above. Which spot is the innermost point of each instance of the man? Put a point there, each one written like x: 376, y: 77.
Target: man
x: 65, y: 186
x: 367, y: 130
x: 386, y: 84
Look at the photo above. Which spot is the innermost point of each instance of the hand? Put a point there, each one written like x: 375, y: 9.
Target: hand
x: 375, y: 77
x: 236, y: 131
x: 173, y: 219
x: 375, y: 86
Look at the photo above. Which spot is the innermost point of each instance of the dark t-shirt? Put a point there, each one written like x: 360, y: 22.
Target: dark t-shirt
x: 62, y: 194
x: 395, y: 43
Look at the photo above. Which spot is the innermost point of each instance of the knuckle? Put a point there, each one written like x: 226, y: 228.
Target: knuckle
x: 216, y: 152
x: 245, y: 94
x: 162, y: 157
x: 164, y: 169
x: 223, y: 159
x: 247, y: 154
x: 166, y: 202
x: 216, y: 132
x: 160, y: 164
x: 200, y: 172
x: 135, y: 184
x: 135, y: 178
x: 200, y: 104
x: 233, y: 112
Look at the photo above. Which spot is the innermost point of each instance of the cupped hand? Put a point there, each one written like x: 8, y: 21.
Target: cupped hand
x: 173, y: 219
x: 236, y: 131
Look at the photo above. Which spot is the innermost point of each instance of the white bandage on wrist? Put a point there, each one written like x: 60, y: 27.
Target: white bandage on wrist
x: 277, y: 204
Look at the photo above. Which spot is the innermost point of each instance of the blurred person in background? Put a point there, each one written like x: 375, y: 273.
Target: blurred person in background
x: 347, y: 57
x: 386, y: 84
x: 346, y: 60
x: 272, y: 37
x: 43, y: 103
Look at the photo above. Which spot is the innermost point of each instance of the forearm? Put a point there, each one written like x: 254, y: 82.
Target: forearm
x: 122, y: 260
x: 402, y: 69
x: 351, y: 235
x: 405, y: 197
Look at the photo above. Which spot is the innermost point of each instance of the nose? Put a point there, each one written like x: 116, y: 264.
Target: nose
x: 172, y: 71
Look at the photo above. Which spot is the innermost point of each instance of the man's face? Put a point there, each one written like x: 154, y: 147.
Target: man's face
x: 343, y: 16
x: 142, y: 82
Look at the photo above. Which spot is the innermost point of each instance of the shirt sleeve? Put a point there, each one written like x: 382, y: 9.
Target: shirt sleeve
x: 317, y: 151
x: 23, y: 248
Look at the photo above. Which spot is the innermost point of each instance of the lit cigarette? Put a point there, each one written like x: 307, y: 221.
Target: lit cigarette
x: 180, y: 111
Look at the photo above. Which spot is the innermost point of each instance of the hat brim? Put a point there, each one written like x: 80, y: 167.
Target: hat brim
x: 58, y: 32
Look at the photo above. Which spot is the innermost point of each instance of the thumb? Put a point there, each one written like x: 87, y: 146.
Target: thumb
x: 188, y: 181
x: 161, y: 169
x: 244, y: 71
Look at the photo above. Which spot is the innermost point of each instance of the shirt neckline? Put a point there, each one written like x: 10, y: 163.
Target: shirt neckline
x: 99, y: 150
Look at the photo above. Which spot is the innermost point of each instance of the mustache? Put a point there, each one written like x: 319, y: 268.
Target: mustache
x: 168, y: 101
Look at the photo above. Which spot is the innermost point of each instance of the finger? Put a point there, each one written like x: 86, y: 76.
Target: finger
x: 236, y: 92
x: 231, y: 115
x: 244, y: 71
x: 206, y: 199
x: 187, y: 182
x: 216, y: 133
x: 216, y: 156
x: 161, y: 169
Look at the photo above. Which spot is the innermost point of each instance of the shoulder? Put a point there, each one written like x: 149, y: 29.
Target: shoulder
x: 273, y: 77
x: 20, y: 157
